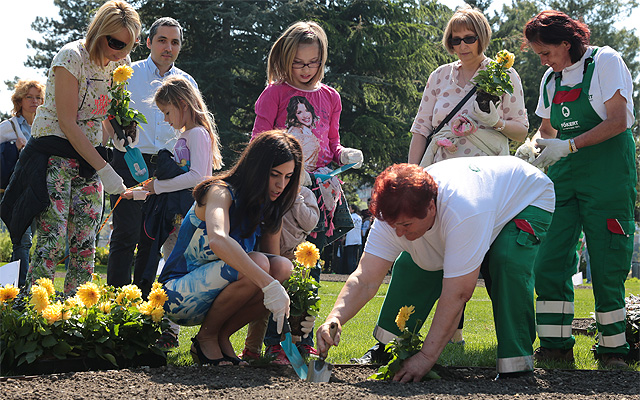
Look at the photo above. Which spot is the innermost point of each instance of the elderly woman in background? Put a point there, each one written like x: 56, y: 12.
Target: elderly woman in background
x: 26, y: 98
x: 586, y: 106
x: 467, y: 35
x: 64, y: 162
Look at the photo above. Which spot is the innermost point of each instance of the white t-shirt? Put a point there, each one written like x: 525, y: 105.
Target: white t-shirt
x: 611, y: 74
x: 477, y: 197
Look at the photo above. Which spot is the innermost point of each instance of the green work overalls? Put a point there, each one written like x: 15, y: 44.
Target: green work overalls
x: 595, y: 192
x: 508, y: 272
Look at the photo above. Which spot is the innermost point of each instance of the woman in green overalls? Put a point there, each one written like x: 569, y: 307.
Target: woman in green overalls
x: 587, y: 110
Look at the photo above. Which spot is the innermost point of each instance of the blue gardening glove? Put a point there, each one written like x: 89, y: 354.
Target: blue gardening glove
x: 489, y: 119
x: 552, y: 151
x: 350, y: 156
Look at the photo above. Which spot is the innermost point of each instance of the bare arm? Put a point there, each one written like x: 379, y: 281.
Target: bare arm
x: 361, y: 286
x: 514, y: 130
x: 615, y: 123
x: 416, y: 148
x: 216, y: 214
x: 270, y: 243
x: 67, y: 108
x: 455, y: 293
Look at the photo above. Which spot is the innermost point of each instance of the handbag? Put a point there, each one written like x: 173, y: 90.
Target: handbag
x: 449, y: 116
x: 9, y: 154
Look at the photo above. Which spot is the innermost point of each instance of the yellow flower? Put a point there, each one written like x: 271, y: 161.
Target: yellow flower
x: 73, y: 302
x: 505, y: 58
x: 157, y: 297
x: 132, y: 292
x: 39, y: 298
x: 146, y: 308
x: 156, y: 285
x: 89, y: 293
x: 157, y: 313
x: 8, y: 292
x: 105, y: 306
x: 120, y: 298
x: 122, y: 73
x: 307, y: 254
x: 52, y: 313
x: 403, y: 316
x: 47, y: 284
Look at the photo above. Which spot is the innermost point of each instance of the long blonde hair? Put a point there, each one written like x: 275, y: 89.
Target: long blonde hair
x: 109, y: 19
x: 283, y: 51
x: 177, y: 91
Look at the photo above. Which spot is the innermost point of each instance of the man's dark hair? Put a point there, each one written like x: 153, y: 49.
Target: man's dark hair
x: 164, y: 21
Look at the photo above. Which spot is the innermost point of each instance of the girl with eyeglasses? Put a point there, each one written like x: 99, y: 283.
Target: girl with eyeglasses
x: 295, y: 67
x: 65, y: 162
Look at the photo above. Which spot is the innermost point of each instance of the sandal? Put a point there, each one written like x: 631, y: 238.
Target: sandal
x: 168, y: 340
x: 235, y: 360
x: 199, y: 357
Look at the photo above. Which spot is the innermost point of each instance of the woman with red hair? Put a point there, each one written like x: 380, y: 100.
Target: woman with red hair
x: 454, y: 219
x: 586, y: 106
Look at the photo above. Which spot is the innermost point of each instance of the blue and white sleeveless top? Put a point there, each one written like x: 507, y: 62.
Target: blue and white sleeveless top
x: 192, y: 247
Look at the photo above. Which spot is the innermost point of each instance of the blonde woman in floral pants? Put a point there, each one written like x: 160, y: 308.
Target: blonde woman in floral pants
x: 68, y: 129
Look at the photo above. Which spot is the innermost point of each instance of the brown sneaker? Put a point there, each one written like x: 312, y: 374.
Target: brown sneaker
x: 613, y: 361
x: 547, y: 354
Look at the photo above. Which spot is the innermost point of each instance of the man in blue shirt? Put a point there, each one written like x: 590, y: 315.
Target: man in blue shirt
x: 164, y: 41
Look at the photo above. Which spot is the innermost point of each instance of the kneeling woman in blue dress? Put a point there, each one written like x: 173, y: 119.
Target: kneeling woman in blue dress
x: 213, y: 277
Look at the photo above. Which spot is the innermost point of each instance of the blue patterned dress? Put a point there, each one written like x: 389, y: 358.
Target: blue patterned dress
x: 194, y: 276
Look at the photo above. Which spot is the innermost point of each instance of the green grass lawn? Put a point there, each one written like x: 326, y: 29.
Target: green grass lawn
x: 479, y: 331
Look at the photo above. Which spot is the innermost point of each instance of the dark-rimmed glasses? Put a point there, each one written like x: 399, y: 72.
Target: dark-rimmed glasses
x: 467, y: 39
x: 115, y: 43
x: 312, y: 65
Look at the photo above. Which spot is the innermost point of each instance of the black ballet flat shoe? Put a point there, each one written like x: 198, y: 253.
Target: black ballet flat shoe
x: 234, y: 360
x: 199, y: 357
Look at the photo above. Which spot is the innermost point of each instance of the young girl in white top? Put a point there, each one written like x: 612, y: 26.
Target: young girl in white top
x: 197, y: 150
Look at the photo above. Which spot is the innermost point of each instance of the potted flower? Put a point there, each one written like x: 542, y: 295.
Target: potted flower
x: 494, y: 81
x: 100, y: 327
x: 402, y: 347
x: 123, y: 118
x: 302, y: 288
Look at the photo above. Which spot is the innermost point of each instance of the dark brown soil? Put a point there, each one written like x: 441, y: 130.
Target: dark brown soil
x: 347, y: 382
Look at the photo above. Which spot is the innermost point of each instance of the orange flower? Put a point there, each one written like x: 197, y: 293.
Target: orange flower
x: 8, y: 292
x: 307, y: 254
x: 89, y: 293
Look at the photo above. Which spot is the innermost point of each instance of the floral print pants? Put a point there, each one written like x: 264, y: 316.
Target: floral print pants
x: 74, y: 214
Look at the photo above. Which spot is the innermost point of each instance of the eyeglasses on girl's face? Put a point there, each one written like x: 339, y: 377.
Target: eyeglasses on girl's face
x: 299, y: 65
x: 455, y: 41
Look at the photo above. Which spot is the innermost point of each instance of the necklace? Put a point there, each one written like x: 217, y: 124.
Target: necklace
x: 463, y: 80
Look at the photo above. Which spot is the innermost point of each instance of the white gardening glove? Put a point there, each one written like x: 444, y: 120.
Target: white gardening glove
x: 527, y: 151
x: 487, y: 119
x: 552, y: 151
x: 350, y: 156
x: 276, y: 300
x: 307, y: 325
x: 111, y: 181
x: 305, y: 178
x: 120, y: 144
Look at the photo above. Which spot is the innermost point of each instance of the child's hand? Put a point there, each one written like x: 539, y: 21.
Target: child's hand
x: 149, y: 187
x: 128, y: 194
x: 350, y: 156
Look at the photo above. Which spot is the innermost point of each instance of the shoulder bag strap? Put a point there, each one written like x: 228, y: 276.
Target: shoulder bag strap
x: 451, y: 114
x: 14, y: 128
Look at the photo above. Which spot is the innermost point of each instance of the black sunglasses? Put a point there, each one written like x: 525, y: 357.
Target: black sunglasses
x: 115, y: 43
x: 467, y: 39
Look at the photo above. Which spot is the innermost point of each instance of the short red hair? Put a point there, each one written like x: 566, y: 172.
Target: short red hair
x: 402, y: 190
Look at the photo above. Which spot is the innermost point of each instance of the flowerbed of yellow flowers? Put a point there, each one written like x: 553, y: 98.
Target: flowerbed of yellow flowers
x: 98, y: 322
